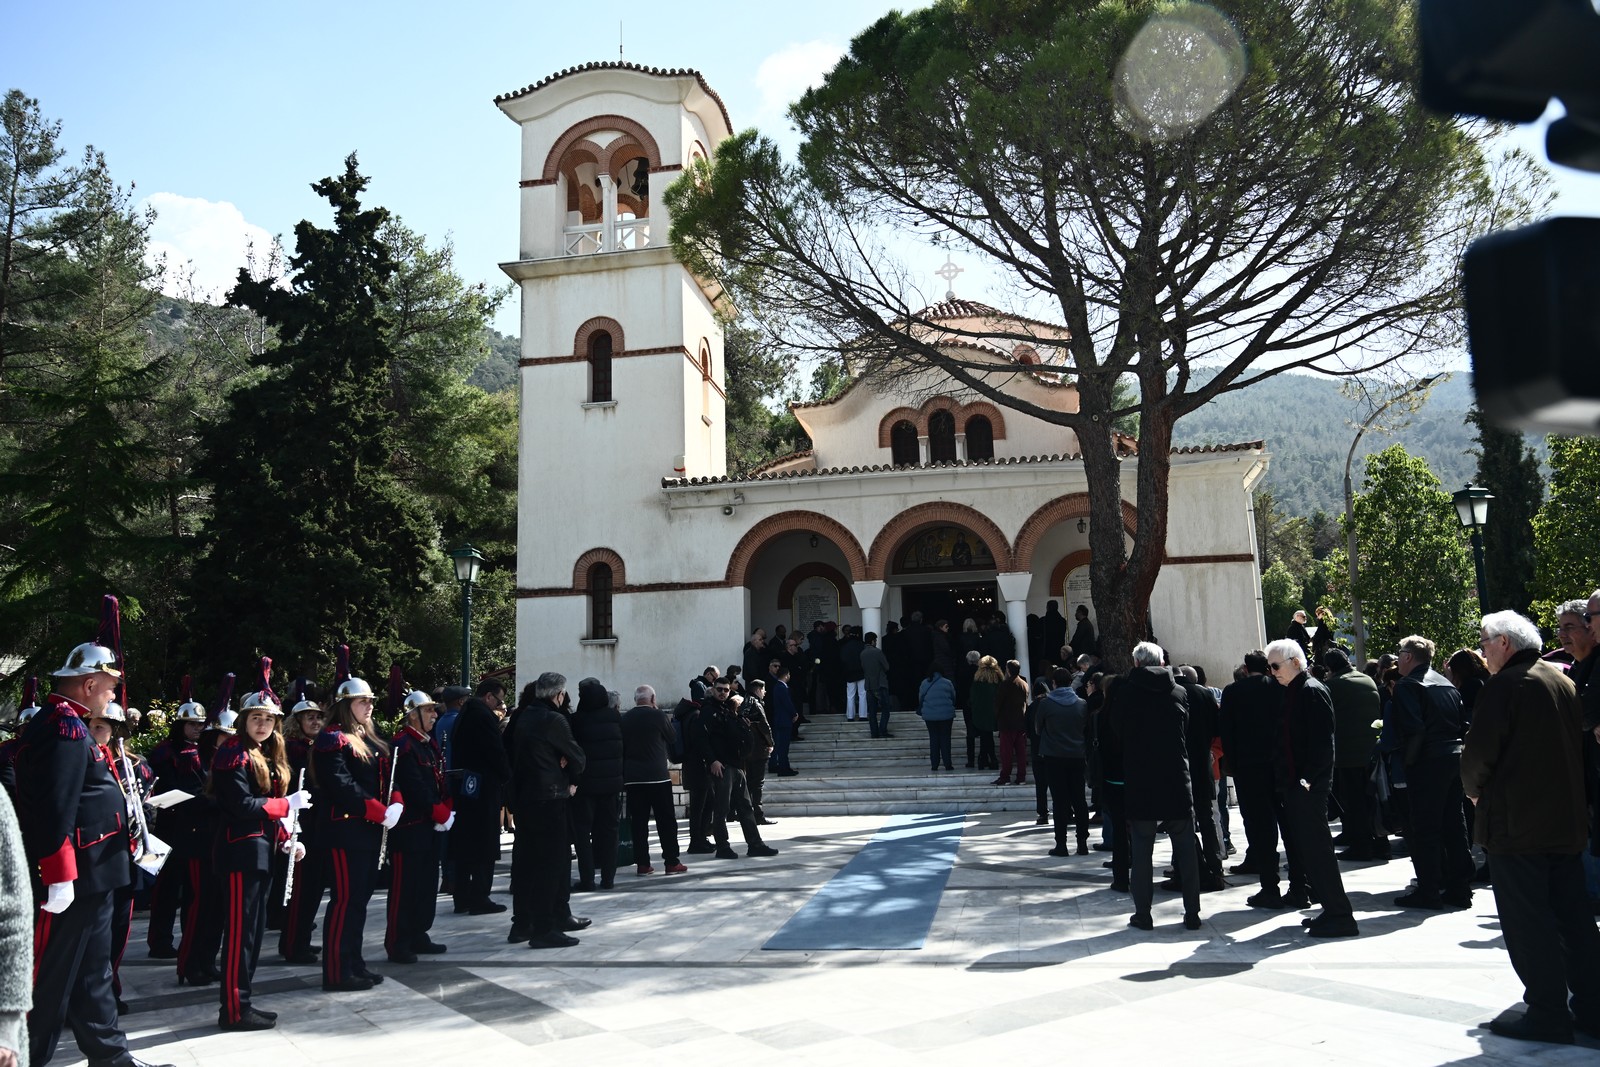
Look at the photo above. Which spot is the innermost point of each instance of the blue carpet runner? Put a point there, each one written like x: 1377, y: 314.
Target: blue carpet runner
x: 886, y: 896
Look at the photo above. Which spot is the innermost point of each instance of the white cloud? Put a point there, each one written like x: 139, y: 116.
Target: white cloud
x: 204, y: 240
x: 787, y: 73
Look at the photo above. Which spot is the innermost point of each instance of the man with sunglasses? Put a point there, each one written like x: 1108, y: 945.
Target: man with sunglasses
x: 728, y: 742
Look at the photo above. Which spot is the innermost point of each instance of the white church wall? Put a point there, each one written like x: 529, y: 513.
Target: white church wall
x: 1208, y: 614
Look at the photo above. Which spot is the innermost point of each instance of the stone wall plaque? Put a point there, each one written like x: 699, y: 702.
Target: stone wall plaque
x: 1075, y: 593
x: 815, y: 599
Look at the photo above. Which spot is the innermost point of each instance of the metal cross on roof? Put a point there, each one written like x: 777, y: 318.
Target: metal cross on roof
x: 949, y: 272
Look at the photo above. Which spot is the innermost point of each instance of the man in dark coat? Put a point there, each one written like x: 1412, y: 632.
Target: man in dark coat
x: 1522, y: 767
x: 727, y: 741
x: 546, y: 766
x: 1356, y: 706
x: 597, y: 728
x: 649, y: 743
x: 1150, y: 718
x: 903, y: 676
x: 1198, y: 735
x: 1250, y: 724
x: 756, y: 656
x: 850, y: 672
x: 1303, y: 772
x: 479, y: 773
x: 1053, y: 628
x: 1427, y: 720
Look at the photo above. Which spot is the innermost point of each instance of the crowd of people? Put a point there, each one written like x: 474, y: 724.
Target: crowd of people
x: 247, y: 819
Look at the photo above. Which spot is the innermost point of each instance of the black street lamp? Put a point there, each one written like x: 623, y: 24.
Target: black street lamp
x: 1472, y: 508
x: 468, y: 561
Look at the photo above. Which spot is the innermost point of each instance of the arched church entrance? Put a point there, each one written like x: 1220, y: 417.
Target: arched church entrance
x: 798, y: 568
x: 943, y: 560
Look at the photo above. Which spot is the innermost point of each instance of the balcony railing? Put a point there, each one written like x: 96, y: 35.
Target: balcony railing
x: 624, y: 235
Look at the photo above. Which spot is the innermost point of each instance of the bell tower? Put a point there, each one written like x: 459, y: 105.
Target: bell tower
x: 621, y: 371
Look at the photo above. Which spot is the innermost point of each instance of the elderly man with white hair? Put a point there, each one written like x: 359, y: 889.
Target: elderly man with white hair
x: 1304, y: 775
x: 1522, y: 767
x: 649, y: 743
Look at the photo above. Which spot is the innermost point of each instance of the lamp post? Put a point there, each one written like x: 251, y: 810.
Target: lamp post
x: 1472, y: 508
x: 468, y: 561
x: 1356, y: 625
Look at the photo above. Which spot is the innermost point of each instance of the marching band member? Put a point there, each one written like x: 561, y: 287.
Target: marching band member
x: 250, y: 784
x: 301, y: 728
x: 8, y: 747
x: 74, y: 830
x: 202, y: 920
x: 414, y: 842
x: 350, y: 764
x: 106, y: 730
x: 181, y: 883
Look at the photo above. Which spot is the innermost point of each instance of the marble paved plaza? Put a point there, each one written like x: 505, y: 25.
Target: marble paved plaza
x: 1029, y: 960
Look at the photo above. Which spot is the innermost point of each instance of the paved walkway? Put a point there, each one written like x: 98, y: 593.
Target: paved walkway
x: 1029, y: 960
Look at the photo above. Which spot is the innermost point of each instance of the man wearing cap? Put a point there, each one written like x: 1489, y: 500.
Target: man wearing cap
x: 74, y: 831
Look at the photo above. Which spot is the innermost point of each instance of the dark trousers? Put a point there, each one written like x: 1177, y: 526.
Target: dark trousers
x: 939, y: 743
x: 474, y: 882
x: 755, y: 779
x: 1258, y: 808
x: 1114, y: 795
x: 165, y: 899
x: 879, y: 703
x: 1014, y: 747
x: 310, y: 882
x: 276, y: 909
x: 645, y: 801
x: 1549, y: 933
x: 781, y: 738
x: 1041, y: 788
x: 701, y: 800
x: 1064, y: 777
x: 413, y: 891
x: 72, y: 982
x: 1438, y: 837
x: 1305, y: 813
x: 1143, y: 836
x: 731, y: 799
x: 1205, y: 809
x: 351, y: 878
x: 202, y: 919
x: 540, y: 865
x: 594, y: 836
x: 244, y: 925
x: 1353, y: 788
x: 121, y: 926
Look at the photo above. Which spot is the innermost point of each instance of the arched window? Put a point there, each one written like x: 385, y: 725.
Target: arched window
x: 903, y: 446
x: 600, y: 589
x: 599, y: 367
x: 705, y: 382
x: 941, y: 437
x: 980, y: 438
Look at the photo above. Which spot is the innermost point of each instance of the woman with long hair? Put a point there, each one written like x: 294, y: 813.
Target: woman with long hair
x: 251, y: 787
x: 300, y: 729
x: 351, y: 767
x: 185, y: 875
x: 985, y: 689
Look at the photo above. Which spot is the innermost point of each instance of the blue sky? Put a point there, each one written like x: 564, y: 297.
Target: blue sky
x: 222, y: 114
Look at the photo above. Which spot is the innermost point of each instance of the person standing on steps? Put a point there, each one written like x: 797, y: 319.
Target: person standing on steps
x: 875, y: 676
x: 1060, y: 717
x: 936, y: 703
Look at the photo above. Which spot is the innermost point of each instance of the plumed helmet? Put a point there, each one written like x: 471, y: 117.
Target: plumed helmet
x: 228, y: 720
x: 351, y: 688
x: 113, y: 713
x: 305, y: 705
x: 25, y: 714
x: 416, y: 700
x: 190, y: 711
x: 260, y: 700
x: 88, y: 658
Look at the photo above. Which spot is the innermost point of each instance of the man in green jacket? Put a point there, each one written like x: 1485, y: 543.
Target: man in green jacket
x: 1522, y: 767
x: 1356, y: 707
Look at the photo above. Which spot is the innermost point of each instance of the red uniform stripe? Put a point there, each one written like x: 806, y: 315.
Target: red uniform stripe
x: 41, y: 938
x: 230, y: 978
x: 336, y: 917
x: 396, y: 879
x: 191, y: 919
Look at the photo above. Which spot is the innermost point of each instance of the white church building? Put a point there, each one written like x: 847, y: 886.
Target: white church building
x: 640, y: 559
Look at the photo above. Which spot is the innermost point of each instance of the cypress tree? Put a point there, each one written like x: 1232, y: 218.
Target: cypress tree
x: 1508, y: 469
x: 312, y: 540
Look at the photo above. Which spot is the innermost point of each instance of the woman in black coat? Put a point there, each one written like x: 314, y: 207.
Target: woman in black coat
x: 597, y: 728
x: 479, y: 773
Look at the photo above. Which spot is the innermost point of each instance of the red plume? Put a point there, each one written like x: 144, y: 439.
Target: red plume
x: 264, y: 684
x: 397, y: 689
x: 342, y: 671
x: 110, y: 636
x: 30, y: 691
x: 186, y: 689
x: 225, y: 695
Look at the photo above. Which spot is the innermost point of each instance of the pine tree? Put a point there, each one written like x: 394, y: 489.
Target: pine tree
x: 312, y: 539
x: 1508, y: 468
x: 1564, y: 528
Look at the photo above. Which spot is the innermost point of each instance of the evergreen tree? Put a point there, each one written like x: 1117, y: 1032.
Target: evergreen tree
x: 312, y: 539
x: 1508, y: 468
x: 1564, y: 528
x: 1415, y: 574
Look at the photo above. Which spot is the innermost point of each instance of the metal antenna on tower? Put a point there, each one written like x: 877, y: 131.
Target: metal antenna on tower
x: 619, y: 39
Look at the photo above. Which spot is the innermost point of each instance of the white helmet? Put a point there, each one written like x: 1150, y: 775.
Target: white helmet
x: 190, y: 711
x: 27, y: 713
x: 227, y: 719
x: 351, y: 688
x: 113, y: 713
x: 88, y: 658
x: 306, y: 705
x: 416, y: 700
x: 260, y: 701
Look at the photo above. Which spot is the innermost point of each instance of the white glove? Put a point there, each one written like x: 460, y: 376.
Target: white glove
x: 391, y: 815
x: 444, y: 827
x: 287, y: 822
x: 295, y: 850
x: 58, y: 898
x: 300, y: 801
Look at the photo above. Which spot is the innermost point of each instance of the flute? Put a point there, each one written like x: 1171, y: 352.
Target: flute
x: 383, y: 838
x: 294, y: 839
